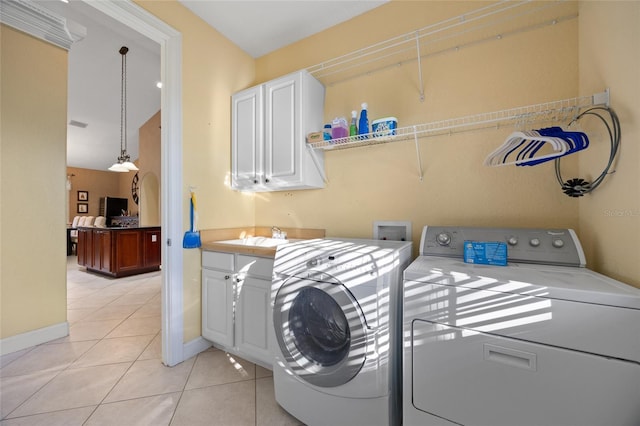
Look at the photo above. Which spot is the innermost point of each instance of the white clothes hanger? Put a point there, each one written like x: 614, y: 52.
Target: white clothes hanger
x: 523, y: 146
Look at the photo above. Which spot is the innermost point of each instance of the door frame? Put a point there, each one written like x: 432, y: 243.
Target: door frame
x: 170, y: 41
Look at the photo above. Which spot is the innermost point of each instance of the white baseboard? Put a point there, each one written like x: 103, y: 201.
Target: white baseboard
x: 34, y: 337
x: 195, y: 346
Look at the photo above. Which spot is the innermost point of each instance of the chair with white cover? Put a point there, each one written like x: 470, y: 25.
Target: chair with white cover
x: 100, y: 222
x: 88, y: 221
x: 73, y: 232
x: 76, y: 219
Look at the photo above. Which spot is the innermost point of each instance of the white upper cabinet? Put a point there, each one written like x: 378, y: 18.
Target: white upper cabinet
x: 268, y: 136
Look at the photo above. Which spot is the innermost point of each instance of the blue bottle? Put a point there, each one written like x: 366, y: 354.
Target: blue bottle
x: 326, y: 132
x: 363, y: 124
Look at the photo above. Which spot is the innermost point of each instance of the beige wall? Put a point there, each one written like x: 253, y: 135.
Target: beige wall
x: 33, y: 98
x: 212, y: 69
x: 150, y: 172
x: 366, y: 184
x: 98, y: 183
x: 381, y: 182
x: 610, y: 216
x: 103, y: 183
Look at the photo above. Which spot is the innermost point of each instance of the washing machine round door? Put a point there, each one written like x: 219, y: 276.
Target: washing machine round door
x: 321, y: 330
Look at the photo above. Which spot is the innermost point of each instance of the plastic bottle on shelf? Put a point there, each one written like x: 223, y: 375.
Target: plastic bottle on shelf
x: 326, y: 133
x: 339, y: 128
x: 363, y: 124
x: 353, y: 128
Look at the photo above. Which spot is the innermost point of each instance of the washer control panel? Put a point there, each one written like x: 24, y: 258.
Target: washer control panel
x: 526, y: 245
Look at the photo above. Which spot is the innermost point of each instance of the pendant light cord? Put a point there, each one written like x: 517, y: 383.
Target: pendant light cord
x: 123, y: 104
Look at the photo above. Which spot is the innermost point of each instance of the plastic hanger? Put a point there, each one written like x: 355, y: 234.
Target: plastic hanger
x: 576, y: 141
x: 523, y: 146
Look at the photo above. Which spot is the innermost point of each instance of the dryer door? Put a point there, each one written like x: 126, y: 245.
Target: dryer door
x: 320, y: 329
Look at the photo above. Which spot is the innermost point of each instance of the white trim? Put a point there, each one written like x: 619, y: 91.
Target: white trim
x: 34, y: 337
x: 170, y: 42
x: 41, y: 23
x: 196, y: 346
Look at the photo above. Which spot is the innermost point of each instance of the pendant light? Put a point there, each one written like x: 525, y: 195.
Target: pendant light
x: 124, y: 163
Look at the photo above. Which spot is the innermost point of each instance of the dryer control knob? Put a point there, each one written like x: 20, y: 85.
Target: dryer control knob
x: 534, y: 242
x: 443, y: 239
x: 558, y: 243
x: 512, y: 241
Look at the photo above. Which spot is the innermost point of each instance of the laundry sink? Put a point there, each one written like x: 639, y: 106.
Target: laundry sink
x: 255, y: 242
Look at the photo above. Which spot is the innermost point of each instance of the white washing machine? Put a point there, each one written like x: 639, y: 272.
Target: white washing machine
x: 337, y: 323
x: 541, y: 341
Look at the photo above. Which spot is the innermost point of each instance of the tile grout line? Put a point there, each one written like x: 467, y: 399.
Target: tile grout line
x: 193, y: 366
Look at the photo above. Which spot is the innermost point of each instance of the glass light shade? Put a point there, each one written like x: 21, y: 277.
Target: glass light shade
x: 118, y: 167
x: 129, y: 166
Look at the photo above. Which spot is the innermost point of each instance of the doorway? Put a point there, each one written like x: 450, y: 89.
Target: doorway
x: 170, y: 43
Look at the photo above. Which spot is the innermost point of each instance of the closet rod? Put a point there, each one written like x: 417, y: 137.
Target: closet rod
x: 548, y: 111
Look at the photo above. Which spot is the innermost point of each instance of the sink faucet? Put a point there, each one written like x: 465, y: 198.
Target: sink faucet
x: 277, y: 233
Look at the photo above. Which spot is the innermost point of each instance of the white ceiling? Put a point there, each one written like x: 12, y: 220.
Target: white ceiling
x: 257, y: 27
x: 262, y: 26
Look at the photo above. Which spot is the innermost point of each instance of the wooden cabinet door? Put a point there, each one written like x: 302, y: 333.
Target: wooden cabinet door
x: 85, y: 247
x: 128, y: 251
x: 151, y: 249
x: 102, y: 250
x: 217, y: 306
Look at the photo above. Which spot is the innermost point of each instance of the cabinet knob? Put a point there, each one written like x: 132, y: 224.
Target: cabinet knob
x: 226, y: 277
x: 255, y: 181
x: 266, y: 180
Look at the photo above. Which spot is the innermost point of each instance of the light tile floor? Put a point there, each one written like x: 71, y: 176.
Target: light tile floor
x: 108, y: 371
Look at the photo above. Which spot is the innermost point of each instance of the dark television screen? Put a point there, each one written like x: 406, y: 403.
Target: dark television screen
x: 114, y: 207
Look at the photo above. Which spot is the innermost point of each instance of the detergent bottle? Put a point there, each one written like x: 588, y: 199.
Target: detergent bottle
x: 353, y: 128
x: 363, y: 124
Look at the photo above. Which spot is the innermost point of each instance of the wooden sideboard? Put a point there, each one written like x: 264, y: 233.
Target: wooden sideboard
x: 119, y: 252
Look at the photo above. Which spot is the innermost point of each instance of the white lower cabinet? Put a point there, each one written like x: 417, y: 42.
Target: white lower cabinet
x: 235, y: 304
x: 252, y: 333
x: 217, y: 297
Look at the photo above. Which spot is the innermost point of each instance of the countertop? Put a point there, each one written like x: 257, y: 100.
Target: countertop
x: 238, y: 248
x: 211, y: 239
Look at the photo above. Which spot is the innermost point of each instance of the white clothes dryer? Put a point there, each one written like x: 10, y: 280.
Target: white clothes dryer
x: 337, y: 323
x: 541, y: 341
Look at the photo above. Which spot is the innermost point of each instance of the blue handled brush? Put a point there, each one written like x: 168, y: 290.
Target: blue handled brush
x: 192, y: 236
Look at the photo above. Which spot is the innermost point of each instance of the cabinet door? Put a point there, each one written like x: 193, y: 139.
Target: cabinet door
x: 247, y: 133
x: 151, y: 252
x: 128, y: 251
x: 253, y: 320
x: 283, y: 136
x: 217, y: 306
x: 85, y: 247
x: 81, y: 248
x: 102, y: 250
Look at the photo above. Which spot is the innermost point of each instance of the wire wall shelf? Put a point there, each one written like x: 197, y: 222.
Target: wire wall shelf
x: 493, y: 22
x: 490, y: 23
x: 556, y: 111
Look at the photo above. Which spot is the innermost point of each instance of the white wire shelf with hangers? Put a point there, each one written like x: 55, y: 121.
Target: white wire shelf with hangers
x: 557, y: 111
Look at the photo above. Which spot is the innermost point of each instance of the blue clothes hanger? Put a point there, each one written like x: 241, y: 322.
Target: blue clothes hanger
x: 576, y: 141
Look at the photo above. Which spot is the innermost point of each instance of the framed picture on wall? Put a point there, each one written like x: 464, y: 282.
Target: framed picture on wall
x: 83, y: 195
x: 83, y: 208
